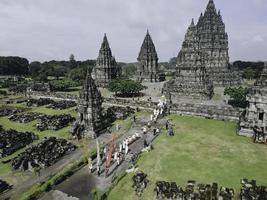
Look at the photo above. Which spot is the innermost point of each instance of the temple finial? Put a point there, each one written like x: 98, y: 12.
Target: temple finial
x: 192, y: 22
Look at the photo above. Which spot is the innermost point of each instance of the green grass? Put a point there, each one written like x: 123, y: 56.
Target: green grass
x: 203, y: 150
x: 50, y: 111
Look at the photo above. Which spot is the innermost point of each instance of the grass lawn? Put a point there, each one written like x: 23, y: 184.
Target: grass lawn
x: 203, y: 150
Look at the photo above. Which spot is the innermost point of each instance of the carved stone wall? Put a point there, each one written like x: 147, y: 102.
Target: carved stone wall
x: 256, y: 113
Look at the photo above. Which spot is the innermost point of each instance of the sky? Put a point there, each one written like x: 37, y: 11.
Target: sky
x: 43, y: 30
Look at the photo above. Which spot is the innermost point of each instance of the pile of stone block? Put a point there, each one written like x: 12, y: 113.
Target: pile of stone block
x: 140, y: 182
x: 43, y: 154
x: 9, y: 111
x: 54, y: 122
x: 12, y: 140
x: 170, y: 191
x: 39, y: 102
x: 25, y: 117
x: 61, y: 105
x: 250, y: 190
x: 4, y: 186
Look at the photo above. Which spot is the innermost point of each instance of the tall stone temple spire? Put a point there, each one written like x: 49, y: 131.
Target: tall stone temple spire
x: 213, y: 41
x: 204, y: 55
x: 106, y: 67
x: 256, y: 113
x: 191, y: 79
x: 90, y: 108
x: 147, y: 68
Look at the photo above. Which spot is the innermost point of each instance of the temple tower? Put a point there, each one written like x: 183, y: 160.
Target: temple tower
x: 90, y: 108
x: 256, y: 113
x: 106, y: 67
x: 213, y: 41
x: 191, y: 79
x: 147, y: 68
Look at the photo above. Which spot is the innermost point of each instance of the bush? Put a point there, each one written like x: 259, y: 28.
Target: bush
x: 62, y: 85
x: 238, y: 96
x: 126, y: 88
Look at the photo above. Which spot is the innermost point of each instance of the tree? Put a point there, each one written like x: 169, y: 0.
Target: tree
x: 77, y: 74
x: 238, y: 96
x: 13, y: 65
x: 126, y: 88
x: 72, y: 61
x: 62, y: 85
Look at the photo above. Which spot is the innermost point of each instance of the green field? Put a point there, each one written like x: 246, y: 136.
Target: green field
x: 203, y: 150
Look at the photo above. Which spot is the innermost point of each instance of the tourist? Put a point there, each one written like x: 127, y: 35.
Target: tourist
x: 167, y: 124
x: 154, y: 131
x: 115, y: 156
x: 98, y: 171
x: 148, y: 124
x: 118, y: 159
x: 145, y: 143
x: 120, y: 147
x: 123, y: 144
x: 157, y: 131
x: 134, y: 118
x: 126, y: 150
x: 144, y: 130
x: 90, y: 165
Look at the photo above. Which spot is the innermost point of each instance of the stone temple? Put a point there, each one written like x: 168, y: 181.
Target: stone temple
x: 147, y: 68
x: 204, y: 58
x: 256, y: 113
x: 213, y: 40
x: 191, y: 79
x: 106, y: 68
x: 90, y: 115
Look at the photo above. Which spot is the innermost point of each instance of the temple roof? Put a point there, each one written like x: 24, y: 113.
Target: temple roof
x: 148, y: 49
x: 90, y: 92
x: 105, y: 49
x: 211, y: 6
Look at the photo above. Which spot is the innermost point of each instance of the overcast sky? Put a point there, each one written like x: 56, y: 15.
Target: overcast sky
x: 53, y: 29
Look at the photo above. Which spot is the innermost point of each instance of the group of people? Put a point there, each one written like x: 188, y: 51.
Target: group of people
x: 117, y: 153
x: 159, y: 111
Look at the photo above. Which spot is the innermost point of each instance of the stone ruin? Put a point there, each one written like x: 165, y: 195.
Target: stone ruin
x: 39, y: 102
x: 114, y: 112
x: 6, y: 111
x: 250, y: 190
x: 25, y: 117
x: 44, y: 154
x: 12, y: 140
x: 61, y: 105
x: 140, y: 182
x: 170, y: 190
x: 106, y: 68
x: 28, y: 88
x: 54, y: 122
x: 203, y: 60
x: 90, y: 121
x: 4, y: 186
x: 147, y: 68
x: 255, y: 116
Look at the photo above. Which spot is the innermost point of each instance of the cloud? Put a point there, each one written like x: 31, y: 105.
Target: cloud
x: 258, y: 38
x: 53, y: 29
